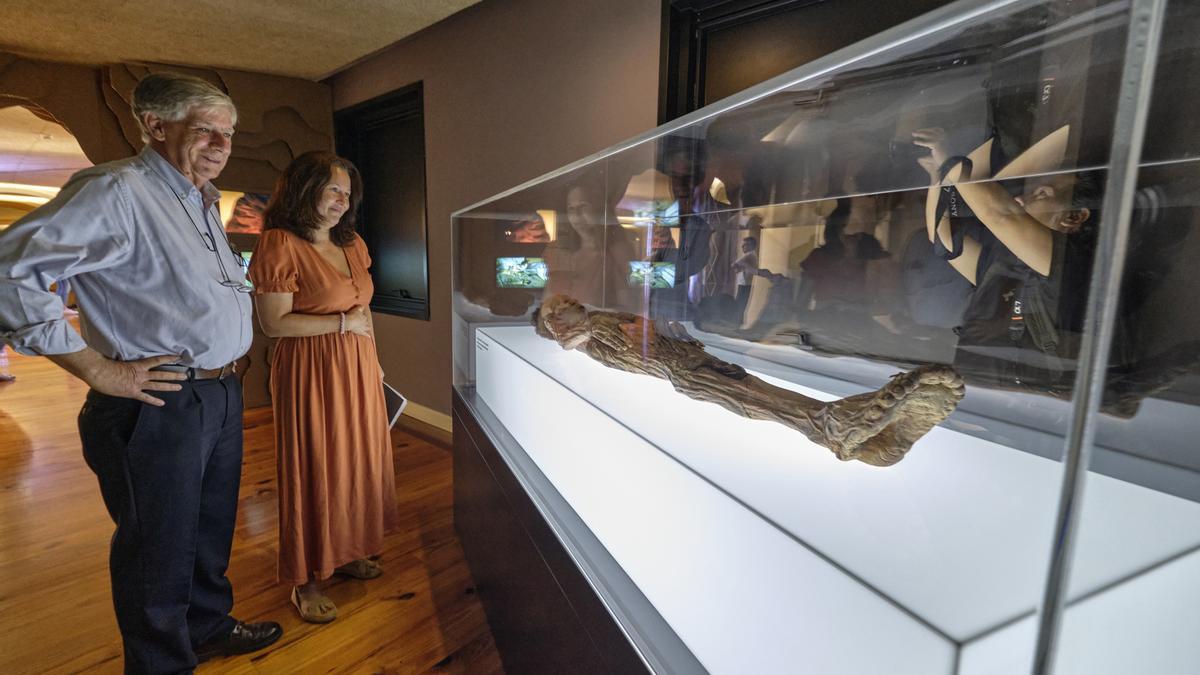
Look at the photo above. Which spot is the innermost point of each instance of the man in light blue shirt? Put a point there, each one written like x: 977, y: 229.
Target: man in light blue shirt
x: 164, y: 313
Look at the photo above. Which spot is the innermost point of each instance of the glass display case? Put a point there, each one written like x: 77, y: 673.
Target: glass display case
x: 998, y: 199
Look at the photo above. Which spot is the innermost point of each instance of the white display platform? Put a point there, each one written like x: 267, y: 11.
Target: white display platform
x: 767, y: 554
x: 1148, y: 625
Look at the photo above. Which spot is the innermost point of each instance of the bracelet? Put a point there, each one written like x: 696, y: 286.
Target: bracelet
x: 341, y: 323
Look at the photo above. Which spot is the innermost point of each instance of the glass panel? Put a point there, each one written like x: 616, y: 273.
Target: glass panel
x: 510, y: 250
x: 1145, y: 469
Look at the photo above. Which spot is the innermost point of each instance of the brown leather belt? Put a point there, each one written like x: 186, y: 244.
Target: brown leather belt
x: 200, y: 373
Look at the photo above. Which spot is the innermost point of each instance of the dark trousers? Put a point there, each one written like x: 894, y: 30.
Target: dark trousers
x: 742, y: 299
x: 169, y: 477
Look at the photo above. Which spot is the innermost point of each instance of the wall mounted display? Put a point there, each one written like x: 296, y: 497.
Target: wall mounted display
x: 959, y: 251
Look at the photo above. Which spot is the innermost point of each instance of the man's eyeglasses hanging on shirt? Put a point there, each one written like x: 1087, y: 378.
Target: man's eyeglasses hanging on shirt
x: 210, y: 242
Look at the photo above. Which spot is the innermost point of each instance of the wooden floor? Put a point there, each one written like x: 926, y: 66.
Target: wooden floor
x: 55, y: 609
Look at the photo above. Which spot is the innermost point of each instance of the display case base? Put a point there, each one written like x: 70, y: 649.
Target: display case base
x: 547, y: 614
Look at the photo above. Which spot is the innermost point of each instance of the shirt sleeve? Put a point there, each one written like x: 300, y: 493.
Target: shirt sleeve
x: 85, y: 228
x: 273, y: 264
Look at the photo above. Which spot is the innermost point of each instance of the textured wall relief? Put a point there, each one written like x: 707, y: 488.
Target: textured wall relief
x: 69, y: 95
x: 279, y: 118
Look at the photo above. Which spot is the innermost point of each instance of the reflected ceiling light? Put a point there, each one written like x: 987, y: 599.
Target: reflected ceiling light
x: 22, y: 199
x: 11, y: 191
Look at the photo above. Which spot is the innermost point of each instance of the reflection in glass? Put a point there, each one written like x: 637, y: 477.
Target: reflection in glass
x: 932, y: 202
x: 521, y: 272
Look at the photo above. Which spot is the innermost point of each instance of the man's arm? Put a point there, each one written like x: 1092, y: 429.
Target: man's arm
x: 83, y: 229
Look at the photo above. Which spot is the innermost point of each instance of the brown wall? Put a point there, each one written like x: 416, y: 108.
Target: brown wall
x: 513, y: 89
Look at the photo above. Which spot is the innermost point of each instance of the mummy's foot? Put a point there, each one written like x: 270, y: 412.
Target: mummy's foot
x: 878, y: 428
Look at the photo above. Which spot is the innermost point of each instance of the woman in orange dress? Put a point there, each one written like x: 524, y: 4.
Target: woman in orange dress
x: 336, y: 479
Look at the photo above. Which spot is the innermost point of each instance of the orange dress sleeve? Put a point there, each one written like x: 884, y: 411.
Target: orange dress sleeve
x: 273, y: 264
x: 361, y: 247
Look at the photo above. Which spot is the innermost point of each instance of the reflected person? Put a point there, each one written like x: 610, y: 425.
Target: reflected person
x: 1029, y: 258
x: 746, y: 268
x: 685, y: 164
x: 589, y: 259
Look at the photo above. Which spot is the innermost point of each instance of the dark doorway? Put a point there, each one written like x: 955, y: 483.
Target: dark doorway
x: 715, y: 48
x: 385, y: 138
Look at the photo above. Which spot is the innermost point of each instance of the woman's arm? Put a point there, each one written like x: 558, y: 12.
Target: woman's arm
x: 1029, y: 240
x: 935, y: 139
x: 966, y: 264
x: 278, y: 320
x: 371, y: 329
x: 1045, y: 155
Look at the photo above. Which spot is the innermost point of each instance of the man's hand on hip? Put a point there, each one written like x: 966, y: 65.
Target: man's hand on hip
x: 127, y: 379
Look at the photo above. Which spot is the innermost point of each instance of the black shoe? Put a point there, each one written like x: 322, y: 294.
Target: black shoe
x: 243, y: 639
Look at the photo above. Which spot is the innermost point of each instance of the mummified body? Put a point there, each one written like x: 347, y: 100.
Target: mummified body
x: 877, y: 428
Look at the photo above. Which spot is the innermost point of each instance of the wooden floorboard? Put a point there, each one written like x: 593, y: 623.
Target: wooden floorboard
x: 56, y: 613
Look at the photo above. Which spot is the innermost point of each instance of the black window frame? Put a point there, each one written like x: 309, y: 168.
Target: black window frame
x: 350, y: 125
x: 686, y: 27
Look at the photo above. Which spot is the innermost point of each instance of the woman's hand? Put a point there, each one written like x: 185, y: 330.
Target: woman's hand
x: 933, y: 138
x: 358, y: 322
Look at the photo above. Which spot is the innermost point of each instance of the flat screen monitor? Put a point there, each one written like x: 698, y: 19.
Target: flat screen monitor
x: 652, y: 274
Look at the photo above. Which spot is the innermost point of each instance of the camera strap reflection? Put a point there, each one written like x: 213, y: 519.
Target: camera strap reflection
x: 954, y: 209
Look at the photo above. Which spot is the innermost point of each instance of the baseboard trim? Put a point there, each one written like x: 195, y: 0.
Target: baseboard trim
x: 428, y: 416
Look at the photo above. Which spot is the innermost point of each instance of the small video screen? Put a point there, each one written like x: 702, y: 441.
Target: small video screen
x: 652, y: 274
x: 520, y: 272
x: 246, y: 265
x: 663, y: 213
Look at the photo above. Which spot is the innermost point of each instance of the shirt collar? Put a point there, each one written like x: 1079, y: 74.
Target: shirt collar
x: 180, y: 185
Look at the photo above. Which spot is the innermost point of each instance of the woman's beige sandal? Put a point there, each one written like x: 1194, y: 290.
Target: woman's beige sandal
x: 316, y: 610
x: 361, y: 569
